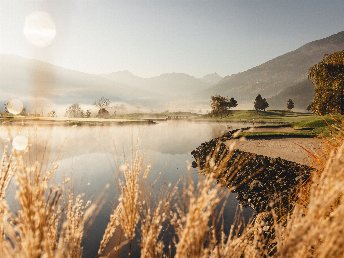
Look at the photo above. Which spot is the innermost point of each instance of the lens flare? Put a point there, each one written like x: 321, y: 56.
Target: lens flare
x: 14, y: 106
x: 20, y: 143
x: 39, y: 29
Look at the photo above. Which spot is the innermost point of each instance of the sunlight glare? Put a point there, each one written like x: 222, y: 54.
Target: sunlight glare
x: 39, y: 29
x: 15, y: 106
x: 20, y: 143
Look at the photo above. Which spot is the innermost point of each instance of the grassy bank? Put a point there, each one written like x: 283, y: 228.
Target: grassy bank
x: 306, y: 124
x: 277, y: 135
x: 271, y: 116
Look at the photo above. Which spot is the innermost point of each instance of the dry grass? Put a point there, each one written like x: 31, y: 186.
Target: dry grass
x: 39, y: 228
x: 48, y: 225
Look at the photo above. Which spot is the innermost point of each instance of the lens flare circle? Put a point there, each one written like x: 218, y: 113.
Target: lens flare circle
x: 20, y: 142
x: 14, y: 106
x: 39, y: 29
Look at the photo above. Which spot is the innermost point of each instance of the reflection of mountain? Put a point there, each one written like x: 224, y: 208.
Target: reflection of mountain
x: 179, y: 137
x: 278, y: 74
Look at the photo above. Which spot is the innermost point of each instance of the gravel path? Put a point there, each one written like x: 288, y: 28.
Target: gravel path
x: 292, y: 149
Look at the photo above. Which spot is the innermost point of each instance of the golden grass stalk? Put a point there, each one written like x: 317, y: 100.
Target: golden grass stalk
x: 193, y: 226
x: 34, y: 230
x: 126, y: 214
x: 152, y: 224
x: 317, y: 229
x: 6, y: 172
x: 36, y: 220
x: 77, y: 214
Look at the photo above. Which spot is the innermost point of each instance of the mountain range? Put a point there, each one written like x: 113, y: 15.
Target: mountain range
x: 277, y: 80
x: 26, y: 78
x: 280, y: 78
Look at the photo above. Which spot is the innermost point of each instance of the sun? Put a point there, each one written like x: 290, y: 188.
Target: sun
x: 39, y: 29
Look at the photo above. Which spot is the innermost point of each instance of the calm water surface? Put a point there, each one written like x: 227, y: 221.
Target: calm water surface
x: 90, y: 157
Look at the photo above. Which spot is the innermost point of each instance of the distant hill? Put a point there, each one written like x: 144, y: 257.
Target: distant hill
x: 277, y: 80
x: 168, y: 84
x: 275, y: 76
x: 24, y: 78
x: 301, y: 93
x: 211, y: 78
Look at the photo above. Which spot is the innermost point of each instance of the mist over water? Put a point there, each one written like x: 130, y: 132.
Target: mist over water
x: 91, y: 155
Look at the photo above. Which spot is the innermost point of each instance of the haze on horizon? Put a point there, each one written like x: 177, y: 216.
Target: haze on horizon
x: 153, y: 37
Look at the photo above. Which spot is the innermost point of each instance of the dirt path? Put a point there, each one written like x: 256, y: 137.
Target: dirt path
x: 292, y: 149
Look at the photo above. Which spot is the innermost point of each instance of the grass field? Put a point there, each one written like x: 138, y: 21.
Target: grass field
x: 276, y: 116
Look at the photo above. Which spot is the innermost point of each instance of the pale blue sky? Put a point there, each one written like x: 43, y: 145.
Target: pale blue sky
x: 153, y: 37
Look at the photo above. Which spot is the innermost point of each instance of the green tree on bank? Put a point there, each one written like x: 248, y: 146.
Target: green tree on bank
x: 260, y: 103
x: 221, y: 105
x: 328, y: 80
x: 290, y: 104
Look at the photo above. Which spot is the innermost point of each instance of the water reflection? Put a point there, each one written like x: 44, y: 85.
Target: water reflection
x: 91, y: 156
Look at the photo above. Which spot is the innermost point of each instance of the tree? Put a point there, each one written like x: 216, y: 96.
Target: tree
x: 5, y: 108
x: 260, y: 103
x: 290, y: 104
x: 103, y: 103
x: 233, y: 103
x: 88, y: 113
x: 310, y: 107
x: 52, y: 113
x: 328, y: 79
x: 74, y: 111
x: 220, y: 105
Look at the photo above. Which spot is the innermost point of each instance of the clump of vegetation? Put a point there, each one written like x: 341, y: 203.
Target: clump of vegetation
x: 74, y: 111
x: 260, y: 103
x: 221, y: 105
x: 103, y: 104
x: 290, y: 104
x: 328, y: 79
x: 52, y: 113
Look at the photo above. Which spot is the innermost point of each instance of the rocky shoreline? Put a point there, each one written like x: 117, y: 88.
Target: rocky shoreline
x: 260, y: 182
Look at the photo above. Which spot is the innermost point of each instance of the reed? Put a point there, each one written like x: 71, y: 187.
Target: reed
x: 49, y: 223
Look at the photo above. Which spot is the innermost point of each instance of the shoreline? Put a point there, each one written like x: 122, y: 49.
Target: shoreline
x: 256, y: 178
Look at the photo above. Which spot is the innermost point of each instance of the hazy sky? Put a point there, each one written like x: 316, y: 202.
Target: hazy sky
x: 153, y: 37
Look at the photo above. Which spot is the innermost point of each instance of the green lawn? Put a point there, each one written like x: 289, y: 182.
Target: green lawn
x: 308, y: 124
x: 322, y: 125
x: 260, y: 116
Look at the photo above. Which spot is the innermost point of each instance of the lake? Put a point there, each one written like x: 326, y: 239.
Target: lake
x: 91, y: 155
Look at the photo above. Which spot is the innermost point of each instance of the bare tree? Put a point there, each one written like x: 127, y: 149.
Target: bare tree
x: 74, y: 111
x: 103, y: 104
